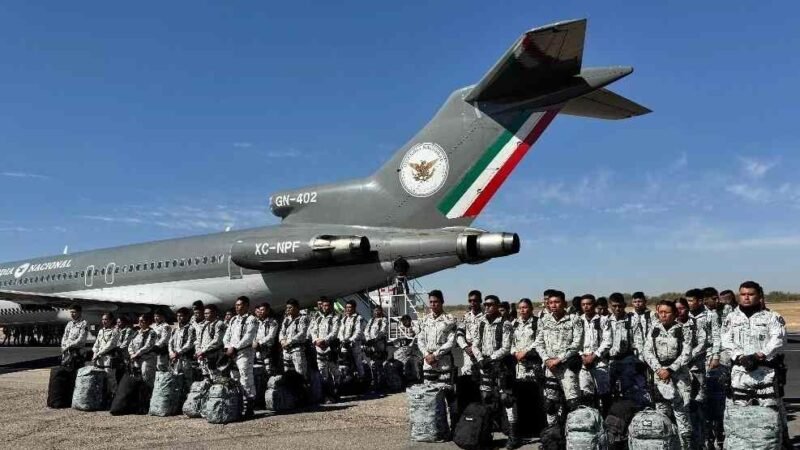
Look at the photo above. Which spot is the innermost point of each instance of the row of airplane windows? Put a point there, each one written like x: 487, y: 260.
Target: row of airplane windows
x: 128, y: 268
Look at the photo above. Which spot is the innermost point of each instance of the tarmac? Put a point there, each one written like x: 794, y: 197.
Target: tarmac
x: 25, y: 422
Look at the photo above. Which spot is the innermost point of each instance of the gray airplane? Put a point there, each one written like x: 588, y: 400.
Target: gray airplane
x: 412, y: 216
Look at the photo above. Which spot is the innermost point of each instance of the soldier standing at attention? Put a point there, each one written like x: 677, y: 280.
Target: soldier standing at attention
x: 293, y: 337
x: 593, y: 376
x: 559, y: 343
x: 437, y: 335
x: 74, y: 338
x: 351, y: 335
x: 625, y: 379
x: 105, y: 349
x: 667, y: 350
x: 376, y: 334
x: 210, y: 341
x: 755, y: 336
x: 163, y: 332
x: 324, y: 334
x: 141, y: 350
x: 238, y: 342
x: 181, y: 347
x: 467, y: 329
x: 266, y: 339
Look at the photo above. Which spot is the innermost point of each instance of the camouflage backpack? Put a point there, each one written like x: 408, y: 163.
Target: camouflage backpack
x: 752, y: 427
x: 652, y: 430
x: 585, y: 430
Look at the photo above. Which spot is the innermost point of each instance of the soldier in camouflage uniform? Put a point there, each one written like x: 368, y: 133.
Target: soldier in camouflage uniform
x: 467, y: 328
x: 163, y: 331
x: 558, y: 342
x: 668, y: 350
x: 324, y: 334
x: 293, y: 337
x: 593, y: 377
x: 209, y: 342
x: 238, y: 340
x: 754, y: 336
x: 74, y: 339
x: 376, y: 335
x: 105, y: 349
x: 705, y: 356
x: 266, y: 343
x: 697, y: 359
x: 437, y: 334
x: 727, y: 303
x: 181, y: 347
x: 406, y: 351
x: 141, y: 350
x: 626, y: 380
x: 492, y: 350
x: 718, y: 372
x: 351, y: 336
x: 528, y: 371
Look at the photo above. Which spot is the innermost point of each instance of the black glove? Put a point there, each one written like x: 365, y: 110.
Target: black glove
x: 749, y: 362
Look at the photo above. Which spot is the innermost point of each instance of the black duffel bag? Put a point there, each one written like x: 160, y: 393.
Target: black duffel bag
x: 60, y: 387
x: 132, y: 396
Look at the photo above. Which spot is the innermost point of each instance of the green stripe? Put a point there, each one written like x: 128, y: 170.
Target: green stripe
x: 452, y: 197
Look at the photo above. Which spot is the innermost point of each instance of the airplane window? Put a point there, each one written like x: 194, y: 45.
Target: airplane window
x: 96, y: 272
x: 138, y: 266
x: 103, y: 271
x: 214, y: 259
x: 188, y: 261
x: 116, y: 269
x: 159, y: 264
x: 130, y: 268
x: 152, y: 266
x: 183, y: 262
x: 175, y: 263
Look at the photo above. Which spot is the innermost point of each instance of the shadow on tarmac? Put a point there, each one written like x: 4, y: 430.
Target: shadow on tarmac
x: 40, y: 363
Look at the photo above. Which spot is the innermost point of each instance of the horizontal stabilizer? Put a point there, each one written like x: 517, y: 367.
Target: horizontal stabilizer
x: 540, y: 58
x: 604, y: 104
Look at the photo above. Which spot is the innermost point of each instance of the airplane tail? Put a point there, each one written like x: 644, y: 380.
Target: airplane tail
x: 447, y: 173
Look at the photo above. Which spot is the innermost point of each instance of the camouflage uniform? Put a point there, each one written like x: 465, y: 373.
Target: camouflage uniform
x: 561, y: 339
x: 163, y: 332
x: 672, y: 349
x: 594, y: 380
x: 182, y: 343
x: 74, y: 340
x: 644, y: 323
x: 295, y: 332
x: 529, y: 369
x: 492, y: 350
x: 351, y: 335
x: 327, y: 329
x: 104, y: 349
x: 406, y: 351
x: 717, y: 380
x: 142, y: 356
x: 467, y: 328
x: 210, y: 343
x: 375, y: 336
x: 240, y: 334
x: 705, y: 347
x: 625, y: 380
x: 437, y: 334
x: 266, y: 338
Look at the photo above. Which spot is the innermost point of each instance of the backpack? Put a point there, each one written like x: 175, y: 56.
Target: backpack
x: 584, y: 430
x: 752, y: 427
x: 224, y: 403
x: 620, y: 414
x: 393, y: 375
x: 196, y: 400
x: 132, y: 396
x: 281, y: 394
x: 552, y: 438
x: 678, y: 334
x: 90, y: 389
x: 652, y: 430
x: 474, y: 428
x: 167, y: 393
x: 60, y: 387
x: 427, y: 412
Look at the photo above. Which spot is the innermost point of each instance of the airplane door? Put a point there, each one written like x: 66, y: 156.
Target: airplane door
x: 234, y: 271
x: 89, y: 280
x: 110, y: 268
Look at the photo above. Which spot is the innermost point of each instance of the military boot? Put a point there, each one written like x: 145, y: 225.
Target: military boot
x: 513, y: 437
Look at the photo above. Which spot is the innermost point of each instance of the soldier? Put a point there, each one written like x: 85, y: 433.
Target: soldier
x: 697, y: 363
x: 505, y: 311
x: 198, y: 318
x: 266, y: 340
x: 181, y: 347
x: 754, y: 336
x: 558, y: 343
x: 405, y: 350
x: 593, y: 377
x: 163, y: 332
x: 727, y: 300
x: 643, y: 316
x: 229, y: 315
x: 293, y: 338
x: 705, y: 357
x: 492, y: 350
x: 625, y: 379
x: 74, y: 339
x: 467, y: 328
x: 105, y: 349
x: 238, y: 341
x: 324, y: 334
x: 435, y: 341
x: 602, y: 307
x: 717, y: 372
x: 140, y: 350
x: 210, y: 341
x: 376, y: 335
x: 351, y: 335
x: 668, y: 350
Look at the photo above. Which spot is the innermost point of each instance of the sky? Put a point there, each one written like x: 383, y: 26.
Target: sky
x: 130, y: 122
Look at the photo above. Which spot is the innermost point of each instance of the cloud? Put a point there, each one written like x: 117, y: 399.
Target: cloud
x: 111, y: 219
x: 755, y: 168
x: 636, y: 208
x: 24, y: 175
x: 751, y: 192
x: 291, y: 153
x: 585, y: 191
x: 15, y: 229
x: 185, y: 218
x: 242, y: 144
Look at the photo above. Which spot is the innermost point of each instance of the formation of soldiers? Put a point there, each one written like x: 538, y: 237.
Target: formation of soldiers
x: 242, y: 345
x: 687, y: 358
x: 30, y: 334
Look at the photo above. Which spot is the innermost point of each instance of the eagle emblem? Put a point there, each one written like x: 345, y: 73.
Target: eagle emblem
x: 424, y: 170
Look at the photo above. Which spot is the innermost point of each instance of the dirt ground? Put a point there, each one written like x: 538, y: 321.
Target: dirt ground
x: 790, y: 313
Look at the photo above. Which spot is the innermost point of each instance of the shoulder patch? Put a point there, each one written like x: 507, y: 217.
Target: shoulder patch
x: 781, y: 321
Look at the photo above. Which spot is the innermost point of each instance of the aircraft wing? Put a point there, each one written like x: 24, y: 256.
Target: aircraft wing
x: 63, y: 301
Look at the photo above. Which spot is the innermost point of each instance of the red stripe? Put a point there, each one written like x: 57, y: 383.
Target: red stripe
x: 500, y: 177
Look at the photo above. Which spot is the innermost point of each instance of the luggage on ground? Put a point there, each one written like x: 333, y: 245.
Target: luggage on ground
x: 474, y: 428
x: 393, y: 375
x: 752, y: 427
x: 584, y: 430
x: 224, y: 403
x: 427, y: 412
x: 132, y: 396
x: 529, y: 408
x: 652, y: 430
x: 90, y: 389
x: 60, y: 387
x: 167, y: 394
x: 552, y: 438
x: 282, y: 393
x: 196, y: 399
x: 260, y: 381
x: 620, y: 414
x: 315, y: 396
